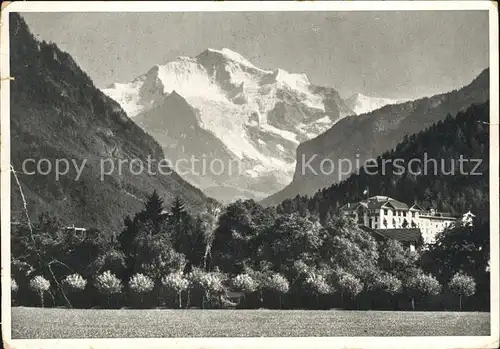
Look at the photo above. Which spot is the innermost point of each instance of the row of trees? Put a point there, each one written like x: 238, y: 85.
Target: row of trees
x: 172, y: 258
x: 213, y: 287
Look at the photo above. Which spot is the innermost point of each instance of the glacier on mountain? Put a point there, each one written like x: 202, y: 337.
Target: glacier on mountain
x: 257, y: 116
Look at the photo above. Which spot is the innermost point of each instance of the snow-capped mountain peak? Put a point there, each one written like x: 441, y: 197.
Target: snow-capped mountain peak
x: 234, y: 56
x: 362, y: 104
x: 292, y: 80
x: 260, y: 116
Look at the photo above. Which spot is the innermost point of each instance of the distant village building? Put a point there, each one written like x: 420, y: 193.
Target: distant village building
x: 77, y: 232
x: 397, y: 220
x: 468, y: 219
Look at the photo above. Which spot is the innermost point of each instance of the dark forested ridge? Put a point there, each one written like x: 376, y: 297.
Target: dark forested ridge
x: 58, y: 113
x: 369, y: 135
x: 465, y: 135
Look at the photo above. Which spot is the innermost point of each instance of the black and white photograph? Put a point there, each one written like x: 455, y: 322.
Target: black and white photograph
x: 232, y: 174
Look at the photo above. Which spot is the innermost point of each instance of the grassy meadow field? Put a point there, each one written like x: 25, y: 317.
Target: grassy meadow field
x: 30, y: 323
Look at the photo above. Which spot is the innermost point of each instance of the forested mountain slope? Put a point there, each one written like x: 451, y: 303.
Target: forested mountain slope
x: 58, y: 113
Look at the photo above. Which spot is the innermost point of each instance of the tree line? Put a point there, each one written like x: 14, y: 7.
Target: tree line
x: 243, y: 255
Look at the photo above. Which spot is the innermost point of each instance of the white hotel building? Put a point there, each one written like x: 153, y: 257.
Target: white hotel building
x: 395, y: 219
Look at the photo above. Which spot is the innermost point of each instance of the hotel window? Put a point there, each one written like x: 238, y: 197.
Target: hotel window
x: 385, y: 211
x: 360, y: 219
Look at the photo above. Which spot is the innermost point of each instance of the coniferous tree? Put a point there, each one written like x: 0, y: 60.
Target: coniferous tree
x: 153, y: 210
x: 180, y: 224
x: 149, y: 221
x: 126, y: 241
x: 177, y: 209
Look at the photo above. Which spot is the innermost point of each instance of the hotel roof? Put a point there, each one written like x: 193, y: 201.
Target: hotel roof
x: 402, y: 235
x: 376, y: 202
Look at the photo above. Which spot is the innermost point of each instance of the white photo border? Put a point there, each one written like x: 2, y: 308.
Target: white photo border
x: 491, y: 341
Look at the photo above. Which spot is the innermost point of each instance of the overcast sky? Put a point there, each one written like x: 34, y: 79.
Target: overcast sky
x: 386, y: 54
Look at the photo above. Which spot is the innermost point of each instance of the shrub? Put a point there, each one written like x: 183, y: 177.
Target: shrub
x: 277, y: 283
x: 141, y: 284
x: 244, y: 283
x: 177, y: 283
x: 317, y: 284
x: 20, y: 268
x: 388, y: 283
x: 348, y: 284
x: 259, y: 277
x: 196, y: 277
x: 210, y: 283
x: 13, y: 289
x: 40, y: 284
x: 13, y: 285
x: 214, y: 283
x: 108, y: 284
x: 463, y: 285
x: 421, y: 285
x: 74, y: 282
